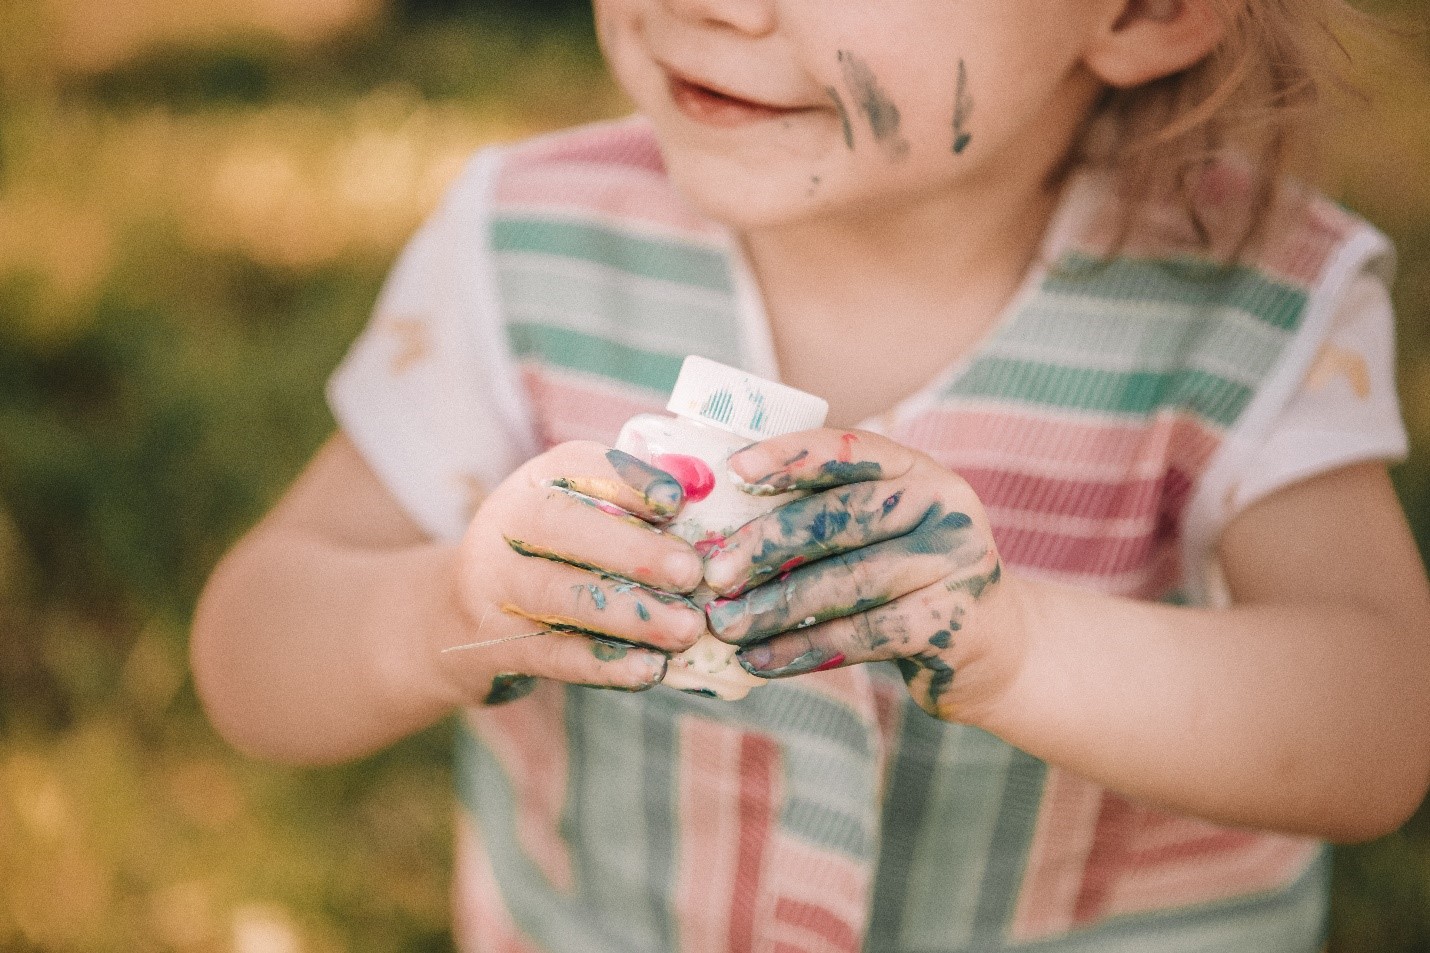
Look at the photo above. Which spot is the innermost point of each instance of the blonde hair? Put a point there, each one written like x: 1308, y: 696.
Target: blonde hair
x: 1251, y: 95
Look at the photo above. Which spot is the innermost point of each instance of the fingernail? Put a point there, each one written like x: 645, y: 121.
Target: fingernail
x: 657, y: 663
x: 755, y: 660
x: 660, y: 490
x: 759, y: 661
x: 723, y: 612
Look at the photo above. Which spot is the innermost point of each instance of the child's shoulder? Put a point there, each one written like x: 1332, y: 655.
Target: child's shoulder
x: 1288, y: 232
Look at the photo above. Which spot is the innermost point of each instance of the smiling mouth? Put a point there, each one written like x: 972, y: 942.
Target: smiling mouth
x: 714, y: 108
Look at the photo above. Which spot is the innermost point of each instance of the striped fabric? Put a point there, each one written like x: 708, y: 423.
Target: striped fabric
x: 827, y: 814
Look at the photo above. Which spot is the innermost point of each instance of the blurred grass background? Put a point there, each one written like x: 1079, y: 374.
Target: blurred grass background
x: 198, y: 200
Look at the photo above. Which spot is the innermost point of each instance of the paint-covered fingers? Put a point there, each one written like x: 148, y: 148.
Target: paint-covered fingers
x: 609, y: 476
x: 573, y: 659
x: 562, y: 598
x: 812, y: 528
x: 553, y: 621
x: 563, y: 526
x: 924, y: 632
x: 819, y: 459
x: 941, y: 544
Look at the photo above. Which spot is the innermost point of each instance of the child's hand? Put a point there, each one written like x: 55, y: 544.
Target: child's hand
x: 901, y: 565
x: 567, y: 546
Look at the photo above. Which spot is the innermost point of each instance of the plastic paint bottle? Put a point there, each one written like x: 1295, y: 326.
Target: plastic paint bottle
x: 719, y: 410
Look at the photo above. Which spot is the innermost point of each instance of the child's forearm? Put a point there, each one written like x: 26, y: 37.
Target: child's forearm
x: 1303, y: 718
x: 306, y: 651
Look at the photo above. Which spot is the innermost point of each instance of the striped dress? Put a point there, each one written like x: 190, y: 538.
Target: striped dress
x: 1112, y: 421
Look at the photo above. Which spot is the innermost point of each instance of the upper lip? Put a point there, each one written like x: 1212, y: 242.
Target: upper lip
x: 680, y: 76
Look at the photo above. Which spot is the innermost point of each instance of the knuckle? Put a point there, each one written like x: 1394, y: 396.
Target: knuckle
x: 860, y: 573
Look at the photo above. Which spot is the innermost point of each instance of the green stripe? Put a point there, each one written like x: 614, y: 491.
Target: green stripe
x: 660, y: 809
x: 597, y: 356
x: 1019, y: 805
x: 605, y: 823
x: 1183, y: 281
x: 1126, y: 393
x: 631, y: 311
x: 675, y: 261
x: 1125, y: 336
x: 545, y: 915
x: 906, y: 809
x: 828, y: 827
x: 955, y: 872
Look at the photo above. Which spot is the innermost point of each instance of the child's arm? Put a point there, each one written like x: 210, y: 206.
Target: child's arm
x: 320, y: 636
x: 1304, y: 707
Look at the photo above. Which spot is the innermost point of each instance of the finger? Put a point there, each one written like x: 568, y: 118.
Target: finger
x: 921, y: 626
x: 572, y: 659
x: 560, y: 597
x: 613, y: 476
x: 817, y: 460
x: 850, y: 583
x: 811, y: 528
x: 559, y: 525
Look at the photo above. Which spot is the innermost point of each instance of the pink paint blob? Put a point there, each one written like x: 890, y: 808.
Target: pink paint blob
x: 790, y: 565
x: 709, y: 545
x: 835, y: 662
x: 692, y: 473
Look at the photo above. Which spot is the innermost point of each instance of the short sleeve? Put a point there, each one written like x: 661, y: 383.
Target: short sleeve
x: 1329, y: 402
x: 429, y: 393
x: 1345, y: 410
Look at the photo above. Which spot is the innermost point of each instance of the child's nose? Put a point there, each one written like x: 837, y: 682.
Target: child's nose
x: 753, y: 17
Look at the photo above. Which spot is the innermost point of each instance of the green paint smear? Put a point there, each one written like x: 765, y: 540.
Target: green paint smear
x: 661, y: 491
x: 508, y: 687
x: 609, y: 651
x: 843, y: 116
x: 875, y: 104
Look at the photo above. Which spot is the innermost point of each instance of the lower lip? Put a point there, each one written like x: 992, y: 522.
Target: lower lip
x: 712, y: 109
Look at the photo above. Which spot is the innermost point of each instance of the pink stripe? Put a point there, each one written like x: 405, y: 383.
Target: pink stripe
x: 537, y: 773
x: 759, y: 760
x: 627, y: 142
x: 1115, y: 823
x: 1058, y: 856
x: 1128, y: 500
x: 1209, y: 863
x: 818, y: 920
x: 567, y: 408
x: 829, y: 890
x: 1026, y: 437
x: 1267, y: 863
x: 481, y: 923
x: 718, y: 777
x: 594, y: 192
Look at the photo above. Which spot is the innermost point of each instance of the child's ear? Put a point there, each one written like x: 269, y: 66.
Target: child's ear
x: 1145, y: 40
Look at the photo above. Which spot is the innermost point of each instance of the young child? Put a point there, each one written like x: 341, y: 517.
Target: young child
x: 1106, y: 483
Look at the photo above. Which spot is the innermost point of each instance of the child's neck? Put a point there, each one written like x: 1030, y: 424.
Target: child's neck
x: 866, y: 310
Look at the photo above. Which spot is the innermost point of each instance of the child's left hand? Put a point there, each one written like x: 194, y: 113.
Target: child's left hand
x: 891, y: 557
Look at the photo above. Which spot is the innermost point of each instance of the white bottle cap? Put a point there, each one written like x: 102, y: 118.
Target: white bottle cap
x: 742, y: 403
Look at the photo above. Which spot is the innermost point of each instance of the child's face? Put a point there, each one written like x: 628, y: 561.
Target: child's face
x: 775, y: 111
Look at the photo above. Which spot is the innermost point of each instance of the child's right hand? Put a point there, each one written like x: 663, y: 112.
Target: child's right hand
x: 568, y: 546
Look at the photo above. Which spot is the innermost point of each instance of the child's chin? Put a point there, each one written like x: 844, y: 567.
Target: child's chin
x: 745, y: 202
